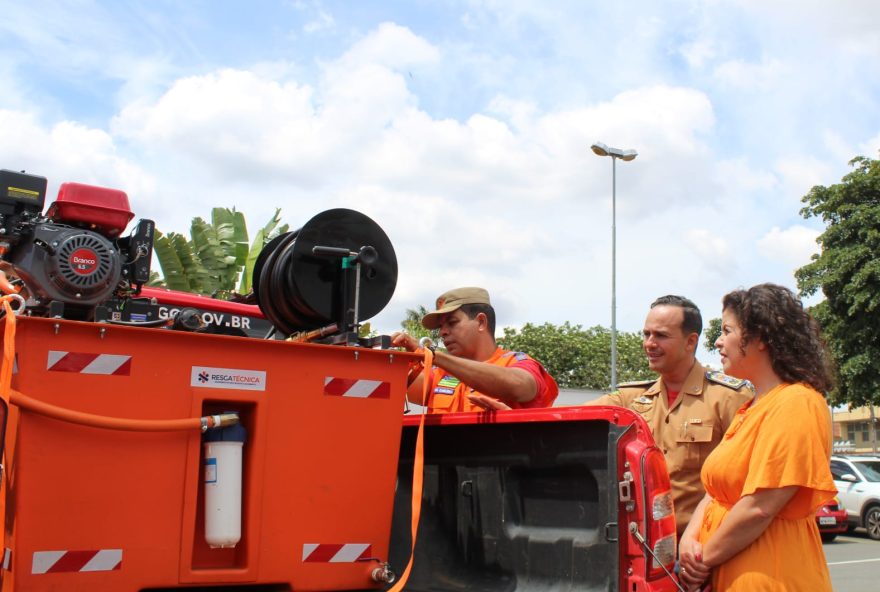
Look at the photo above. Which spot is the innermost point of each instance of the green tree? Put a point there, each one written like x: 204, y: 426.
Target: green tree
x: 712, y: 333
x: 412, y: 324
x: 577, y: 357
x: 215, y: 257
x: 847, y: 271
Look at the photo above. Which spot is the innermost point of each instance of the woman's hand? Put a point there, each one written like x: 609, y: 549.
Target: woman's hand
x: 692, y: 571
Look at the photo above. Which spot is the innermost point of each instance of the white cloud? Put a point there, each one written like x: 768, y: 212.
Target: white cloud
x: 740, y: 174
x: 322, y: 21
x: 698, y: 53
x: 710, y: 248
x: 850, y: 25
x: 799, y: 175
x: 871, y: 147
x: 754, y: 77
x: 792, y: 246
x: 393, y: 46
x: 67, y: 151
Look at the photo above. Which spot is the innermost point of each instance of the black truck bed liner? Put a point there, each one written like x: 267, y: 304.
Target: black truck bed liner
x: 528, y: 506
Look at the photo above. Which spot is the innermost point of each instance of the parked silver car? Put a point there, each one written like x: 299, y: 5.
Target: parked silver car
x: 857, y: 479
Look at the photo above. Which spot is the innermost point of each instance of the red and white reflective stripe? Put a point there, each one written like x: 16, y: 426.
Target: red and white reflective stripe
x: 360, y: 389
x: 82, y: 363
x: 7, y: 558
x: 331, y: 553
x: 76, y: 561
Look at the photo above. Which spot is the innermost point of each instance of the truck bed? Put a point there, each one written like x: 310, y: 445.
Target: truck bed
x: 525, y: 506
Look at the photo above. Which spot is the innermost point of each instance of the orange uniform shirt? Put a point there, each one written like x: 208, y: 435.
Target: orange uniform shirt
x: 449, y: 394
x: 784, y: 439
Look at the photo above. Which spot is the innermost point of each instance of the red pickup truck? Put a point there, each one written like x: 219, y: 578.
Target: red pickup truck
x: 570, y: 498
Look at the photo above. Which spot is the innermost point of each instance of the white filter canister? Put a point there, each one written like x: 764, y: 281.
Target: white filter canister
x: 223, y: 471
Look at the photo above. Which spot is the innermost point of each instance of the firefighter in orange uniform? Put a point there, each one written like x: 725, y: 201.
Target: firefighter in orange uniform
x: 689, y: 407
x: 473, y: 368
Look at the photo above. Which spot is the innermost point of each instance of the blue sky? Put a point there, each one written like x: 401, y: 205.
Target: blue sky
x: 463, y: 128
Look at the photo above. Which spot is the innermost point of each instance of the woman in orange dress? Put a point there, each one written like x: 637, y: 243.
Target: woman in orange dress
x: 755, y: 530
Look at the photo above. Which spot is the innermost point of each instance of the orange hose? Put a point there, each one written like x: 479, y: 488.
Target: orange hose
x: 110, y: 423
x: 88, y: 419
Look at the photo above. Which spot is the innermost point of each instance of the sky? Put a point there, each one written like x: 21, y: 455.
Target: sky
x: 463, y: 128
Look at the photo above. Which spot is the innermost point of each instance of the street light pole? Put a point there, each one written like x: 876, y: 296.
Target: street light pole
x: 625, y: 155
x: 613, y: 273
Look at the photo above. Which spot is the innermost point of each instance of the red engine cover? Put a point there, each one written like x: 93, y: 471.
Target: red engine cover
x: 104, y: 209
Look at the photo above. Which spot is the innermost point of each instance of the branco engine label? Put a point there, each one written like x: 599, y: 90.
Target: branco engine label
x: 228, y: 378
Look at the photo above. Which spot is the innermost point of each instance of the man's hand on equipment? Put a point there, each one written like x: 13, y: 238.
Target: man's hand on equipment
x: 488, y: 403
x: 404, y: 340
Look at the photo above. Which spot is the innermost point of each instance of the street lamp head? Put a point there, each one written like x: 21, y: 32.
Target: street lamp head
x: 600, y: 149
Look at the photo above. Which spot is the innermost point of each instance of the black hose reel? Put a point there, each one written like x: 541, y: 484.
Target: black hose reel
x: 338, y: 269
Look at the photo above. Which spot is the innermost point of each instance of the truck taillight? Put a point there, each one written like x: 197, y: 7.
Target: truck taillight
x: 660, y: 517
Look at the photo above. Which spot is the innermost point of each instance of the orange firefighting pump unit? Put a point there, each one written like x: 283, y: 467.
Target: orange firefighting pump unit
x: 138, y: 457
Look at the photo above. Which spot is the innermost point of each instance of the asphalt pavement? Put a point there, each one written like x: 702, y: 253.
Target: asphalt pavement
x: 854, y: 562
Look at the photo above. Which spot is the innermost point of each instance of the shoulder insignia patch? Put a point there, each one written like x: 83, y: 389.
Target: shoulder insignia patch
x: 728, y: 381
x: 520, y: 356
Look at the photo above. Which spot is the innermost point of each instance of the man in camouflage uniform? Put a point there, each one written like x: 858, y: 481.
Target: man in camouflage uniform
x: 689, y: 407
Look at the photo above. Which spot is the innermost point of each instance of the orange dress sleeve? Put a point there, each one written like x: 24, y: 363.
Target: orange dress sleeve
x: 793, y: 447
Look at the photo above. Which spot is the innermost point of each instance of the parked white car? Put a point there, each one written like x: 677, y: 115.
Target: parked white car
x: 857, y: 479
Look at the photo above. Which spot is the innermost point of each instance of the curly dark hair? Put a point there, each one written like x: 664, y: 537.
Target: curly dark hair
x: 773, y: 314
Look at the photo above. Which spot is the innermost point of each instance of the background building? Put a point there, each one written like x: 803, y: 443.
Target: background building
x: 855, y: 430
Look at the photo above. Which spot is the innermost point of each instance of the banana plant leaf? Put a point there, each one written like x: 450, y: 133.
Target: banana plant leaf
x: 173, y: 268
x: 262, y: 238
